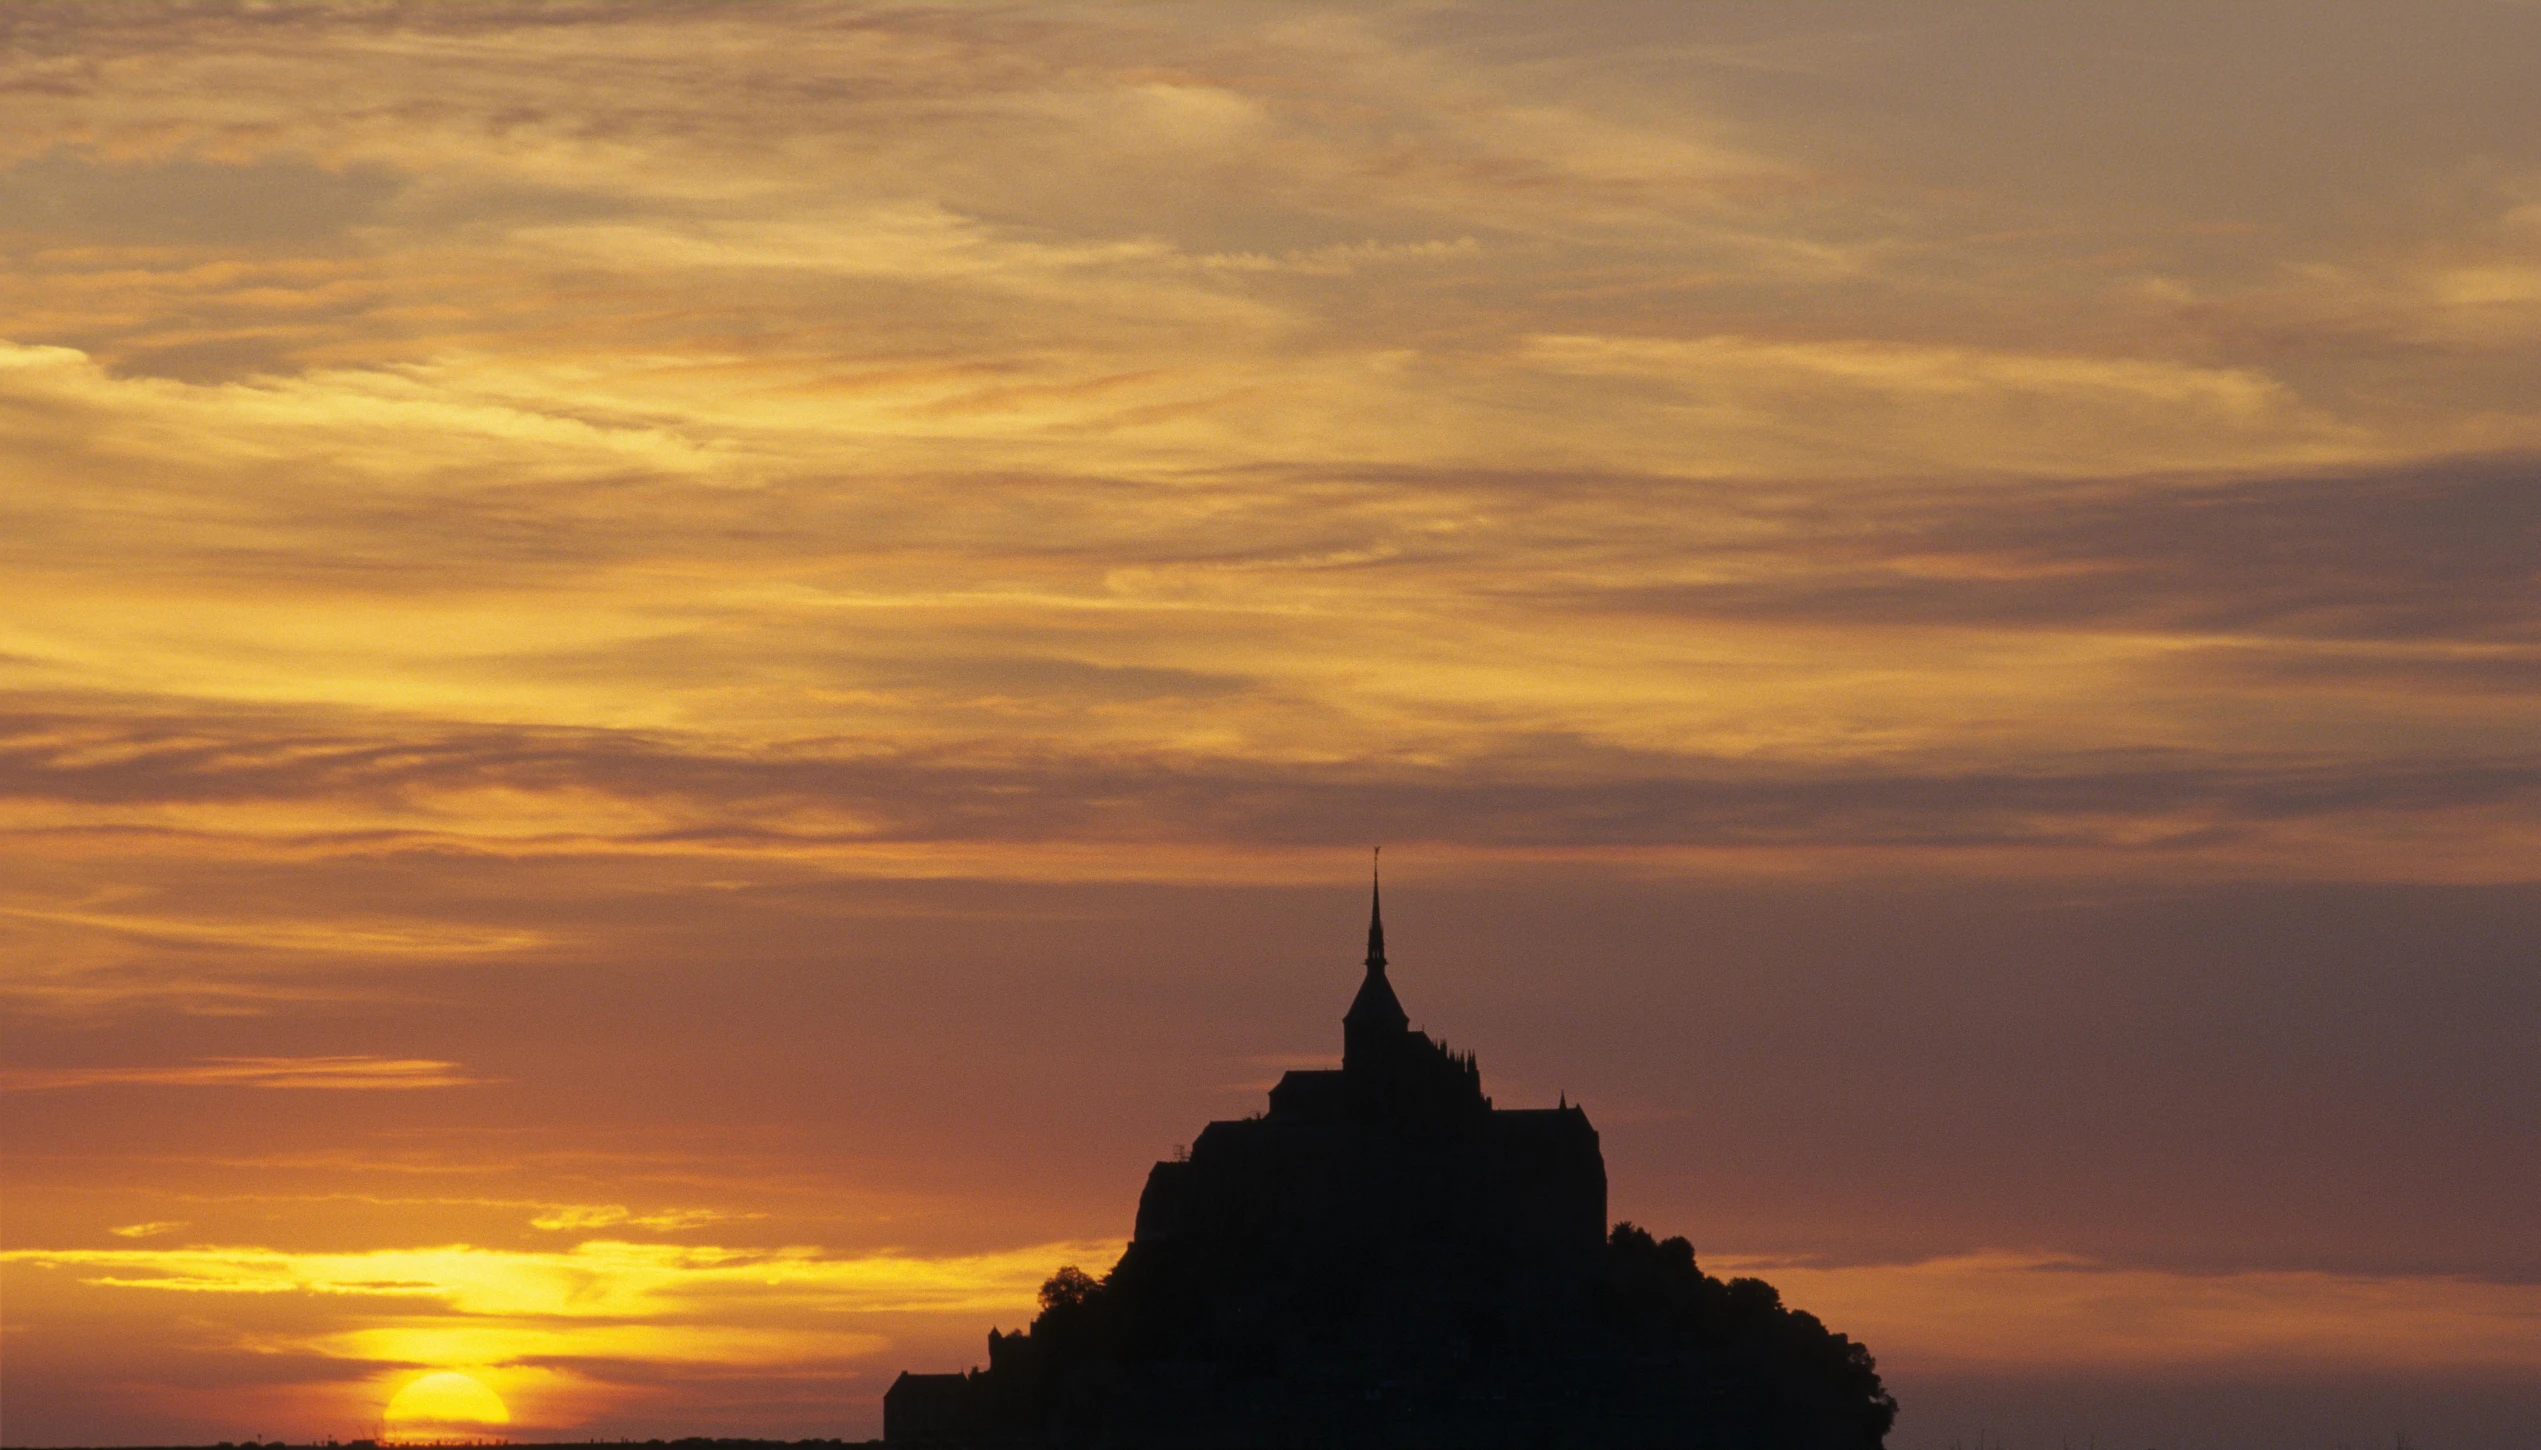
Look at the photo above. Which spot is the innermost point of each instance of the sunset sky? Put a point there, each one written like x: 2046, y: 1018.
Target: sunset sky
x: 680, y: 679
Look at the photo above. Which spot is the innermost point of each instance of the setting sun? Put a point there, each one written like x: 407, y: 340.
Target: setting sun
x: 445, y: 1401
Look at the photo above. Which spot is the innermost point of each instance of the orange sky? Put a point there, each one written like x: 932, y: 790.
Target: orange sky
x: 678, y: 679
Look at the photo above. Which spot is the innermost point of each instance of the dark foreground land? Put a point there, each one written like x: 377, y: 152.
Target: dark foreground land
x: 688, y: 1442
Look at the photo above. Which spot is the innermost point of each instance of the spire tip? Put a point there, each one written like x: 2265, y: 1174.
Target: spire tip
x: 1376, y: 912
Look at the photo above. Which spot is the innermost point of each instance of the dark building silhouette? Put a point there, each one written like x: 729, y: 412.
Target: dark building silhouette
x: 1385, y: 1259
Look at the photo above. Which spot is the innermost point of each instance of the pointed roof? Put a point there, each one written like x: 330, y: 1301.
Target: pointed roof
x: 1376, y: 1004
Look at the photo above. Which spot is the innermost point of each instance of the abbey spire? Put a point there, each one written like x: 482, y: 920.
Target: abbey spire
x: 1376, y: 1020
x: 1376, y: 914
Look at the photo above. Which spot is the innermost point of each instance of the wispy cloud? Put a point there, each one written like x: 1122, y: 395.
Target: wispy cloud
x: 2009, y: 1311
x: 576, y: 791
x: 146, y: 1230
x: 600, y: 1280
x: 572, y: 1217
x: 326, y: 1074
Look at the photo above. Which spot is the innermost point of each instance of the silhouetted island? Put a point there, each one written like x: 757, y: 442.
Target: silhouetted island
x: 1384, y: 1259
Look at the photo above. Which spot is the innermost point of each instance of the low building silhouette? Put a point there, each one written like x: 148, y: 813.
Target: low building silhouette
x: 1386, y: 1259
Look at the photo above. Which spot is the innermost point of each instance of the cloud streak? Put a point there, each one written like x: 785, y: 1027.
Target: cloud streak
x: 2003, y: 1311
x: 643, y: 792
x: 600, y: 1279
x: 317, y: 1074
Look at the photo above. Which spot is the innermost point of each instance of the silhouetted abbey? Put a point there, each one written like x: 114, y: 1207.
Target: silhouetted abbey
x: 1384, y: 1259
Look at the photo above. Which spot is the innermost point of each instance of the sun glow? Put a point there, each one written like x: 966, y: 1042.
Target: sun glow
x: 442, y: 1404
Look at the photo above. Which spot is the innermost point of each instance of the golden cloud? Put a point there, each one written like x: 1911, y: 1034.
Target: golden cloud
x: 597, y: 1280
x: 568, y: 1217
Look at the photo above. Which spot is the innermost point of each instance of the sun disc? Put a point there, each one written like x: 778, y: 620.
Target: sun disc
x: 446, y: 1399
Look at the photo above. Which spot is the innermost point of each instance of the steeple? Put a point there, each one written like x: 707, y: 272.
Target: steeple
x: 1376, y: 914
x: 1375, y: 1018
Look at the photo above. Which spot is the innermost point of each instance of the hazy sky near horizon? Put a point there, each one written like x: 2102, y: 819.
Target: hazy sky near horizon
x: 679, y: 679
